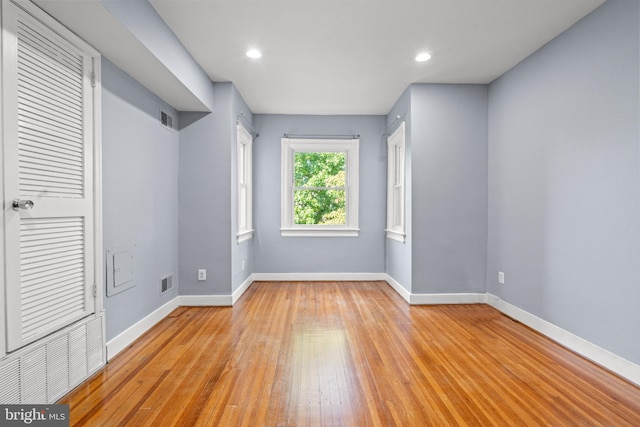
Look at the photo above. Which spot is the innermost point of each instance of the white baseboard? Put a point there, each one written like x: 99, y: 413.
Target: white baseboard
x: 242, y: 289
x: 602, y: 357
x: 206, y: 300
x: 128, y: 336
x: 401, y: 290
x: 434, y: 299
x: 314, y: 277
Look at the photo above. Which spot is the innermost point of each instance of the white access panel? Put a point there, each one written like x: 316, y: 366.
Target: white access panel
x: 120, y: 269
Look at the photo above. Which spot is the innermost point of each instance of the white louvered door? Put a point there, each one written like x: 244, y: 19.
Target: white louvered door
x: 48, y: 149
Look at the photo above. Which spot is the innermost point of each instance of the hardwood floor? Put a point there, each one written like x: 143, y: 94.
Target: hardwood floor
x: 348, y: 354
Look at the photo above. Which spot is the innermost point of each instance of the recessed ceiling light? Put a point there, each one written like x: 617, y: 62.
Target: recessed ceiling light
x: 423, y: 57
x: 254, y: 53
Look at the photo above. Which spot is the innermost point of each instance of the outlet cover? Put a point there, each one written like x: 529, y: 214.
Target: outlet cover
x: 202, y: 274
x: 501, y: 277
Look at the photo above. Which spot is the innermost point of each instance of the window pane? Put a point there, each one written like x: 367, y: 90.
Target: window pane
x: 319, y: 207
x: 319, y: 169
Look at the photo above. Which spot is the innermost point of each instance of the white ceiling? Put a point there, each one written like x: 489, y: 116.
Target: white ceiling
x: 333, y: 56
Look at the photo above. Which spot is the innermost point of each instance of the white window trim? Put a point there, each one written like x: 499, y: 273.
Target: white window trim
x: 396, y: 180
x: 351, y: 149
x: 244, y: 187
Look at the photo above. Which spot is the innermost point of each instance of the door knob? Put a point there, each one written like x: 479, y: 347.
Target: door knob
x: 22, y: 204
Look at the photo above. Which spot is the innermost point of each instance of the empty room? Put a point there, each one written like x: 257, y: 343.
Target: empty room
x: 320, y: 213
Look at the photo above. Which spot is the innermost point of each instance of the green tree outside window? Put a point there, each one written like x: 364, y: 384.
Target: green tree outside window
x: 319, y: 193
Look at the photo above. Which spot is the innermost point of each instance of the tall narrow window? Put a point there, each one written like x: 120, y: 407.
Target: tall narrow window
x: 245, y: 185
x: 396, y: 185
x: 319, y: 187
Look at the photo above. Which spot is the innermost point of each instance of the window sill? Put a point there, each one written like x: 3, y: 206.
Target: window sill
x: 395, y: 235
x: 245, y: 235
x: 317, y: 232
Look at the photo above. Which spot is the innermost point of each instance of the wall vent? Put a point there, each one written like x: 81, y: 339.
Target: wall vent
x: 166, y: 284
x: 166, y: 120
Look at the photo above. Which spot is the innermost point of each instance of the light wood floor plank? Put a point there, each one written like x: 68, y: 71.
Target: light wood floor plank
x: 348, y: 354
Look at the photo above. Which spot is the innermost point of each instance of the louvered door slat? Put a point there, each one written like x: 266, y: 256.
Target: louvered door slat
x: 53, y: 142
x: 57, y: 281
x: 40, y: 93
x: 35, y: 272
x: 48, y: 126
x: 33, y: 184
x: 47, y: 166
x: 49, y: 83
x: 50, y: 157
x: 58, y: 73
x: 51, y: 258
x: 46, y: 115
x: 52, y: 79
x: 29, y: 28
x: 47, y: 105
x: 58, y: 94
x: 48, y: 50
x: 44, y: 282
x: 60, y: 312
x: 40, y: 152
x: 56, y: 177
x: 34, y: 251
x: 60, y: 294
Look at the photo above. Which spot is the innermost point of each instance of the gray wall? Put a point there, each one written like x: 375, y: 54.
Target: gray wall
x: 205, y: 195
x: 564, y: 193
x: 449, y: 188
x: 398, y: 255
x: 275, y: 254
x: 140, y: 193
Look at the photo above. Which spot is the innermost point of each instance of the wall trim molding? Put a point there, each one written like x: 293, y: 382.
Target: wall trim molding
x: 242, y: 289
x: 608, y: 360
x: 401, y: 290
x: 135, y: 331
x: 314, y: 277
x: 435, y: 299
x: 206, y: 300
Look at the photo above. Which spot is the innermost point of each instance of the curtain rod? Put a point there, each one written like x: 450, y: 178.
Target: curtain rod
x: 392, y: 127
x: 298, y: 136
x: 241, y: 117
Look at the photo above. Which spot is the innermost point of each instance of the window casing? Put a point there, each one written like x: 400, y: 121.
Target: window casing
x: 245, y: 184
x: 396, y: 185
x: 300, y: 192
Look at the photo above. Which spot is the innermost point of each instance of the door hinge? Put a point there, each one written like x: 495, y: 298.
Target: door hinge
x: 95, y: 290
x: 93, y: 79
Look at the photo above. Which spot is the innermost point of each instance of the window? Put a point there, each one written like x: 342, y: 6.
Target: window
x: 395, y: 185
x: 319, y: 187
x: 245, y: 190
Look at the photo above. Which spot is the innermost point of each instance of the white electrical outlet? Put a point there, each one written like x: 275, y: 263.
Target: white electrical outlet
x: 501, y: 277
x: 202, y: 274
x: 242, y: 265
